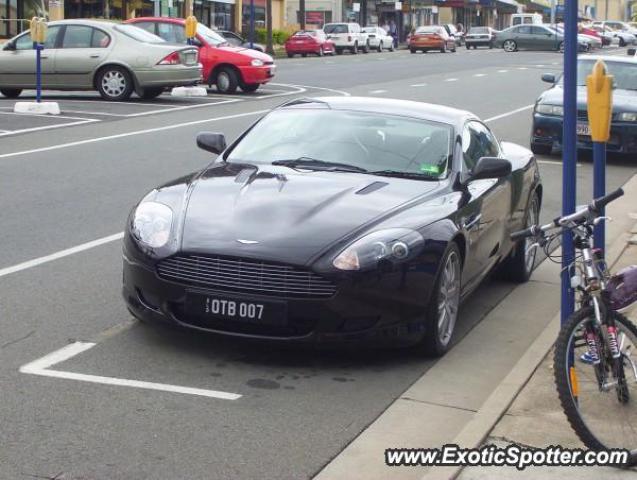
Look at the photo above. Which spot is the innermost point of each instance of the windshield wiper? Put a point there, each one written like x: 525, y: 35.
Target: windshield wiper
x: 397, y: 173
x: 313, y: 163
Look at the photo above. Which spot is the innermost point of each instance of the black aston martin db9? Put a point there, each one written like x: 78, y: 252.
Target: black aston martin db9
x: 335, y: 220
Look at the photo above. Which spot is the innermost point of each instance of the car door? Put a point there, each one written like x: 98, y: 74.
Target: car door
x: 17, y: 67
x: 524, y: 39
x: 82, y: 50
x: 489, y: 206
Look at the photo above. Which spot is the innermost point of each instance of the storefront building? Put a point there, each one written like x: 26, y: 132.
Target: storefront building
x: 317, y: 13
x: 15, y: 15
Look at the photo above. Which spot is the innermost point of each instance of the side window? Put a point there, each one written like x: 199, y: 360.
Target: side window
x: 524, y: 30
x: 25, y: 43
x: 171, y: 32
x: 100, y: 39
x: 517, y: 21
x: 148, y: 26
x: 77, y: 36
x: 477, y: 142
x: 539, y: 31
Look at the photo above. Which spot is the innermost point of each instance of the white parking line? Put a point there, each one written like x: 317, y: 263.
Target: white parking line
x: 451, y: 80
x: 51, y: 117
x: 508, y: 114
x: 376, y: 92
x: 42, y: 367
x: 479, y: 74
x: 418, y: 85
x: 46, y: 127
x: 502, y: 71
x: 522, y: 68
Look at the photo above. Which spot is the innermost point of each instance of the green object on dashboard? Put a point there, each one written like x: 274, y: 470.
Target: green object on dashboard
x: 428, y: 168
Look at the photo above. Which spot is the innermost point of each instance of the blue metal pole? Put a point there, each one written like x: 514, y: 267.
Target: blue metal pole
x: 569, y: 150
x: 599, y: 188
x: 251, y: 24
x: 38, y: 73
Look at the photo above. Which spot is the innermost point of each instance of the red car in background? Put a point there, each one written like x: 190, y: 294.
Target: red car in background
x: 224, y: 66
x: 594, y: 33
x: 309, y: 41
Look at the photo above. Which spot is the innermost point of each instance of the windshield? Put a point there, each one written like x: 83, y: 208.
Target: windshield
x: 428, y: 29
x: 335, y: 28
x: 138, y: 34
x: 210, y: 36
x: 368, y: 141
x: 479, y: 30
x: 624, y: 73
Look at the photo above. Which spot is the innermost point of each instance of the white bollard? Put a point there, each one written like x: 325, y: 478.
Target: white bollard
x: 42, y: 108
x: 189, y: 92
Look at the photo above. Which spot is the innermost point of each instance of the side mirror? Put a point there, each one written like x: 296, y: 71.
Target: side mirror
x: 9, y: 46
x: 211, y: 142
x: 491, y: 167
x: 632, y: 52
x: 548, y: 78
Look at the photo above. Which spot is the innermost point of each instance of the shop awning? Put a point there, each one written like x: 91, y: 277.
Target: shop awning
x: 507, y: 6
x: 539, y: 6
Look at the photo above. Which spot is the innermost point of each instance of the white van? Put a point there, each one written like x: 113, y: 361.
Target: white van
x: 526, y: 19
x: 347, y: 36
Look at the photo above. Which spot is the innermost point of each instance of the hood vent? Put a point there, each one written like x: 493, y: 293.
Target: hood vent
x: 372, y: 187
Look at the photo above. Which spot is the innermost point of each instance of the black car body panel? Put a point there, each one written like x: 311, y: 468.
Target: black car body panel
x: 237, y: 227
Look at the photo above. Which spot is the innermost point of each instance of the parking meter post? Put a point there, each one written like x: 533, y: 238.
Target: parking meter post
x: 38, y: 73
x: 599, y: 89
x: 251, y: 23
x: 569, y: 152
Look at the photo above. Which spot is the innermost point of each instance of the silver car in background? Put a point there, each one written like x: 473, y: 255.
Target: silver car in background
x: 111, y: 58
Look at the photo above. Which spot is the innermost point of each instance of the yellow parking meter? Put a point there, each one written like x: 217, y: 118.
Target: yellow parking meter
x: 600, y: 104
x: 38, y: 29
x: 191, y: 27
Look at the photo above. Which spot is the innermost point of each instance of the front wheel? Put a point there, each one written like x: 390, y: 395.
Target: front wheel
x: 226, y: 81
x: 595, y: 390
x: 444, y: 303
x: 622, y: 42
x: 321, y: 52
x: 11, y: 92
x: 510, y: 46
x: 354, y: 49
x: 114, y: 83
x: 380, y: 47
x: 366, y: 48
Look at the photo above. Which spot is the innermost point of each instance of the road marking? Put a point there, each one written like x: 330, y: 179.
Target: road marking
x: 508, y: 114
x: 61, y: 254
x: 42, y: 367
x: 522, y: 68
x: 333, y: 90
x: 540, y: 65
x: 479, y: 74
x: 51, y: 117
x: 451, y: 80
x: 130, y: 134
x: 419, y: 85
x: 502, y: 71
x: 375, y: 92
x: 47, y: 127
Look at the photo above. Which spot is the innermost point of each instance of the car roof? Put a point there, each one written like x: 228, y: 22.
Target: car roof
x: 158, y: 19
x: 82, y: 21
x: 390, y: 106
x: 609, y: 58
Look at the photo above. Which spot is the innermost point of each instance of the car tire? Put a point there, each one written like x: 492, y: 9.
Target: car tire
x: 290, y: 54
x: 114, y: 83
x: 518, y: 266
x: 454, y: 49
x: 412, y: 50
x: 250, y: 87
x: 366, y: 48
x: 304, y: 55
x: 468, y: 46
x: 541, y: 149
x: 491, y: 45
x: 444, y: 48
x: 510, y: 46
x: 354, y: 49
x: 11, y: 92
x: 622, y: 42
x: 391, y: 48
x: 380, y: 47
x: 560, y: 47
x: 226, y: 81
x: 150, y: 93
x: 438, y: 333
x: 320, y: 52
x: 339, y: 51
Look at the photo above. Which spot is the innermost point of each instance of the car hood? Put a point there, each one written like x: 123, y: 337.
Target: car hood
x: 281, y: 214
x: 248, y: 52
x: 623, y: 100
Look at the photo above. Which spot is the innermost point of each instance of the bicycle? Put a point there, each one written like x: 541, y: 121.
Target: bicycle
x: 593, y: 364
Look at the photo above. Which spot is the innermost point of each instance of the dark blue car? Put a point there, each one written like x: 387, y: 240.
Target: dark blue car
x: 546, y: 133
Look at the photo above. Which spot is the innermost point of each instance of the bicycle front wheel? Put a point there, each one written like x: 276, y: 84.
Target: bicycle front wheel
x: 598, y: 393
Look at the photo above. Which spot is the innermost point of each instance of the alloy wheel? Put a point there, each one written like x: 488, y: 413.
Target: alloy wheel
x: 530, y: 253
x: 113, y: 83
x: 448, y: 298
x: 223, y: 81
x: 509, y: 46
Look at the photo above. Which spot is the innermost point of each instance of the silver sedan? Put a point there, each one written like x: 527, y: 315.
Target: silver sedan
x: 113, y: 59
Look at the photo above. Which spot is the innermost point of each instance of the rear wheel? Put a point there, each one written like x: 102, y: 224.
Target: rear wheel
x: 444, y: 48
x: 354, y: 49
x: 114, y: 83
x: 320, y: 52
x: 250, y: 87
x: 380, y: 46
x: 412, y: 50
x: 150, y: 93
x: 290, y: 54
x: 519, y: 265
x: 11, y: 92
x: 366, y: 48
x: 391, y: 48
x: 339, y: 51
x: 622, y: 42
x: 468, y: 46
x: 226, y: 81
x: 510, y: 46
x: 444, y: 303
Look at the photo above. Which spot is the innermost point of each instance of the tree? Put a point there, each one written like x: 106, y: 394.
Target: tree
x: 302, y: 13
x: 268, y: 25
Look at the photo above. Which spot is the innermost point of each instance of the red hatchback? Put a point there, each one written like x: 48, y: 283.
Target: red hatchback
x: 224, y: 66
x: 309, y: 41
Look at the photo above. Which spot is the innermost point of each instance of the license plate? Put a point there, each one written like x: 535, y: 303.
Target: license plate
x: 238, y: 309
x: 583, y: 129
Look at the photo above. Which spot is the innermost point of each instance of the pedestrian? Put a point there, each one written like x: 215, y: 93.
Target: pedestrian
x: 393, y: 32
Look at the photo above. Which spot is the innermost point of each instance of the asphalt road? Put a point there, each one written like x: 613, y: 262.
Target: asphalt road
x: 69, y: 181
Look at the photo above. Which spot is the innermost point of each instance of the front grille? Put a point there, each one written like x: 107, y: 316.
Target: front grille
x: 243, y: 275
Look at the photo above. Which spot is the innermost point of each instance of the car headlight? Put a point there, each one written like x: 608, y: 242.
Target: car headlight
x: 256, y: 63
x: 152, y: 224
x: 556, y: 110
x: 393, y: 244
x: 627, y: 117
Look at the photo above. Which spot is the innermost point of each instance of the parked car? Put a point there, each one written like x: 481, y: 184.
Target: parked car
x: 432, y: 37
x: 374, y: 229
x: 452, y: 31
x: 309, y: 41
x: 347, y: 36
x: 617, y: 25
x: 379, y: 38
x: 113, y: 59
x: 480, y: 37
x: 546, y: 133
x: 590, y: 31
x: 535, y: 37
x: 611, y: 36
x: 225, y: 66
x: 237, y: 40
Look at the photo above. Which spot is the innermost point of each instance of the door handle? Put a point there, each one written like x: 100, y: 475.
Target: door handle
x: 95, y: 55
x: 44, y: 57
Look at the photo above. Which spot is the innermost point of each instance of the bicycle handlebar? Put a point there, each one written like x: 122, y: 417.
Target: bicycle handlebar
x: 595, y: 208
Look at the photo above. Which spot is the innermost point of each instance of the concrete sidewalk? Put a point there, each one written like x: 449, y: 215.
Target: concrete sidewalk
x: 489, y: 388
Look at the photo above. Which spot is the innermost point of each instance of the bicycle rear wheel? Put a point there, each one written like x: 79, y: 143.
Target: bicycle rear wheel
x: 603, y: 418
